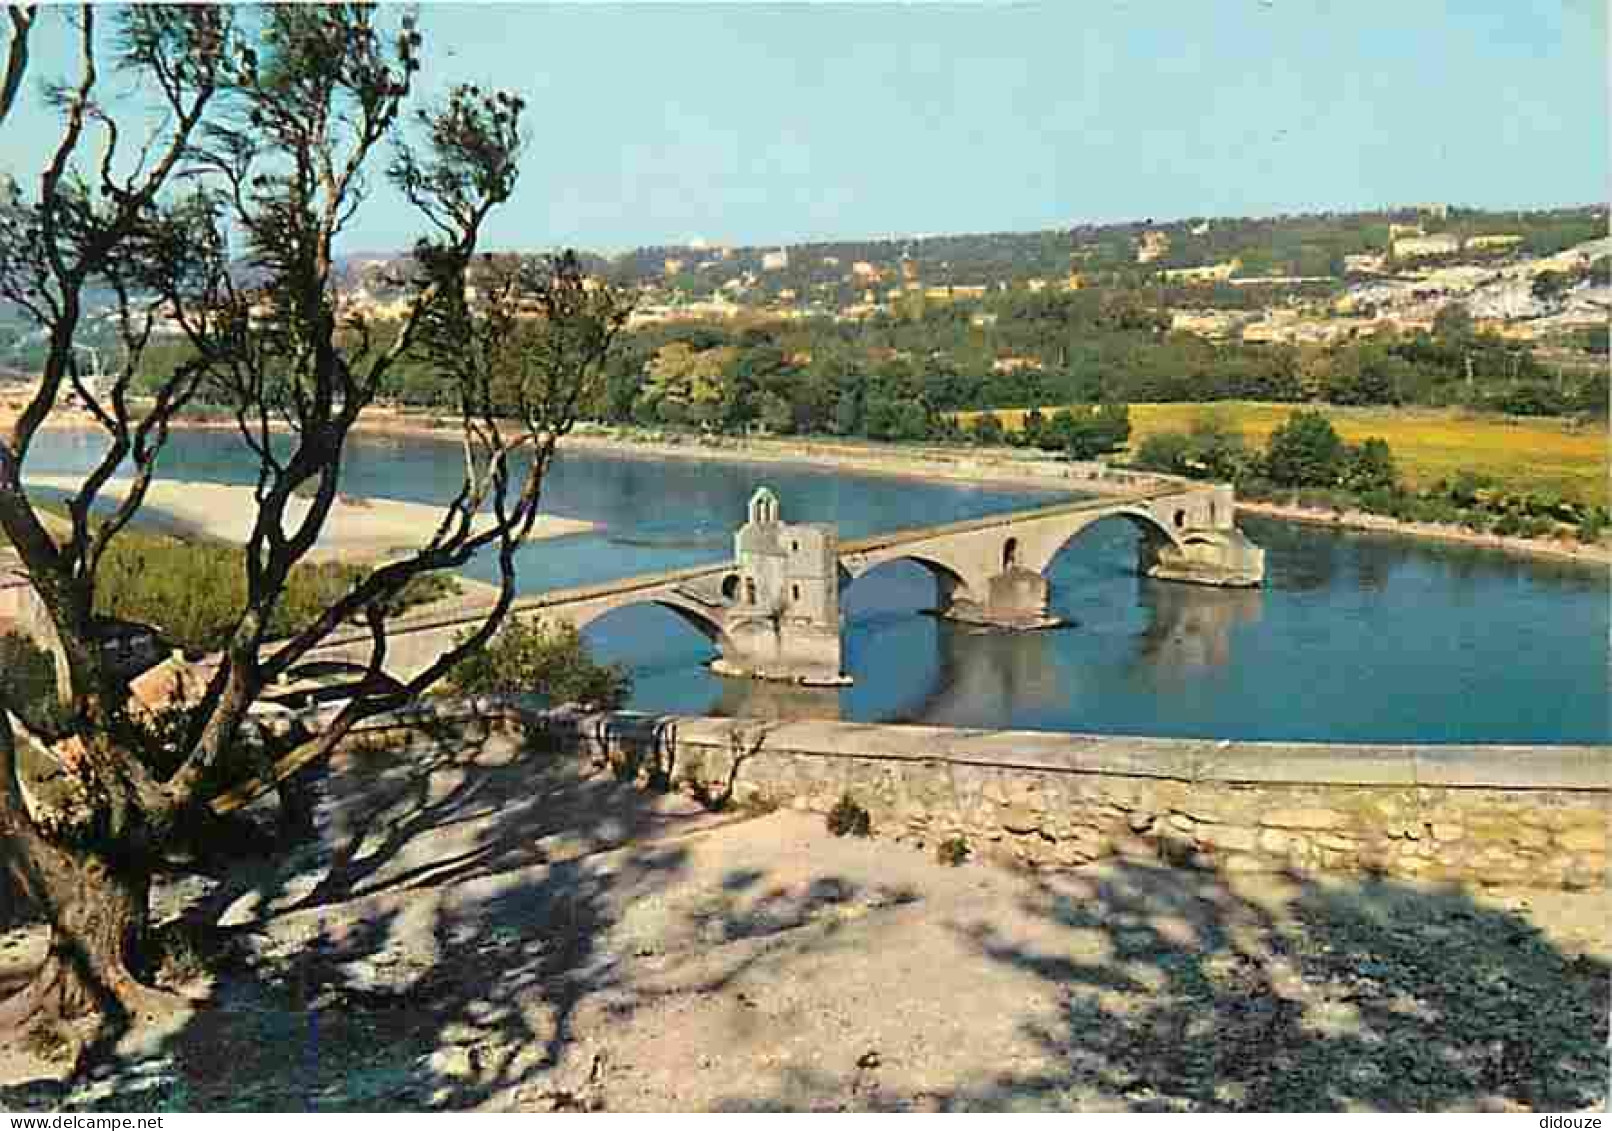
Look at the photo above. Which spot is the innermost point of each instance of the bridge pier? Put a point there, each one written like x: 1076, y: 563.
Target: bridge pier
x: 1016, y: 598
x: 782, y: 620
x: 1224, y: 558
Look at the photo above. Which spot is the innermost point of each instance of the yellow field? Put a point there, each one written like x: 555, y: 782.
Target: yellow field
x: 1428, y: 444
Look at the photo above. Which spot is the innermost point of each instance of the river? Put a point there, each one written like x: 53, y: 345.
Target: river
x: 1355, y: 637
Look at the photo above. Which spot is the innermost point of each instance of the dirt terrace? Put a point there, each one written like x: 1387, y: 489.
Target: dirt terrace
x: 483, y: 926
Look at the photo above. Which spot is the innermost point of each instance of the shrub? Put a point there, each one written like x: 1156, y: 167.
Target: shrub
x: 1592, y: 526
x: 1385, y: 501
x: 1467, y: 487
x: 1164, y: 451
x: 29, y: 687
x: 847, y: 818
x: 1305, y: 452
x: 193, y: 592
x: 1215, y: 450
x: 953, y: 851
x: 1369, y: 466
x: 529, y: 657
x: 988, y: 428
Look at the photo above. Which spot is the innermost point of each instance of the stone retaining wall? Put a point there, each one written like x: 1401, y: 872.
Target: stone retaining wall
x: 1483, y: 815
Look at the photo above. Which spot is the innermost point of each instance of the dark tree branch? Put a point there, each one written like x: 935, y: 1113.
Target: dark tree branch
x: 21, y: 18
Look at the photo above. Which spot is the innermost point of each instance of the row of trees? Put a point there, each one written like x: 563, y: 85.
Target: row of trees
x: 897, y: 378
x: 1305, y: 451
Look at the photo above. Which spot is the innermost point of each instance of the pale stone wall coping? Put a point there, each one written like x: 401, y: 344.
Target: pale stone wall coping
x: 1586, y: 768
x: 1574, y: 768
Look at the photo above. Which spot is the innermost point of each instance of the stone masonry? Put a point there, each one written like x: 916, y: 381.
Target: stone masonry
x: 1533, y: 816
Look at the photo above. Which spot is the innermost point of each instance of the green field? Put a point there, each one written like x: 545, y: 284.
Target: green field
x: 1524, y: 454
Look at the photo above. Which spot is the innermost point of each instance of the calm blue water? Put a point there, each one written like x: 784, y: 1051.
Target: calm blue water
x: 1354, y: 638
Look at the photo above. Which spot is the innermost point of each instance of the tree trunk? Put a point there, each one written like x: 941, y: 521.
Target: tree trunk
x: 98, y: 909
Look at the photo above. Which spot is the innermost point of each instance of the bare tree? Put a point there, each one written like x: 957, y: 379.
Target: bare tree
x: 20, y: 19
x: 229, y: 224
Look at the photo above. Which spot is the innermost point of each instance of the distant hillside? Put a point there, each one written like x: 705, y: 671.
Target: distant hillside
x: 1303, y: 245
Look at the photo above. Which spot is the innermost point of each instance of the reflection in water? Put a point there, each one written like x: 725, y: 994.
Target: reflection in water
x: 1355, y: 639
x: 1013, y: 671
x: 1190, y: 626
x: 780, y: 702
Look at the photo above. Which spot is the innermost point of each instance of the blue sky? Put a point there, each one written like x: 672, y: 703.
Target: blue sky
x: 771, y: 123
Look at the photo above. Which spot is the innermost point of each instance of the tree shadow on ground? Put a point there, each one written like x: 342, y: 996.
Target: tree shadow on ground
x: 482, y: 922
x: 455, y: 900
x: 1174, y: 992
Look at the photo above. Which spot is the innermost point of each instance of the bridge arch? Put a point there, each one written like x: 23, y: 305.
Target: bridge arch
x: 1036, y: 554
x: 950, y: 582
x: 705, y: 621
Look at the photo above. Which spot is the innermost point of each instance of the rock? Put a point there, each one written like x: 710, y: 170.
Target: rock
x: 1234, y: 838
x: 1585, y: 838
x: 1337, y: 843
x: 1273, y: 841
x: 1072, y: 852
x: 1446, y: 832
x: 1303, y: 819
x: 1135, y: 848
x: 1140, y: 821
x: 1020, y: 819
x: 1530, y: 837
x: 1242, y: 863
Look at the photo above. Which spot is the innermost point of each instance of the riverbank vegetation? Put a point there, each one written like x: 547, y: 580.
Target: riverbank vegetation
x: 1307, y: 462
x: 534, y: 658
x: 193, y: 592
x: 1430, y: 445
x: 904, y: 373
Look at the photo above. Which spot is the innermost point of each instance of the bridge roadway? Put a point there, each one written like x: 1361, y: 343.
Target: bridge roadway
x: 986, y: 569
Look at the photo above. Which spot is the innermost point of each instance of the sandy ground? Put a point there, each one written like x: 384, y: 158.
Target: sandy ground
x: 355, y: 529
x: 482, y: 926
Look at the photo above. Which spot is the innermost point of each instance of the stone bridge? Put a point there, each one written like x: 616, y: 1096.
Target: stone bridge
x: 773, y: 611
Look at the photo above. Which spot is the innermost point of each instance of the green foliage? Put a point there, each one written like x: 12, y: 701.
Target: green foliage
x: 847, y: 818
x: 28, y: 688
x: 1086, y: 433
x: 1033, y: 427
x: 1453, y: 323
x: 953, y: 851
x: 988, y: 430
x: 1210, y: 449
x: 1367, y: 374
x: 193, y: 592
x: 1369, y: 466
x: 1509, y: 525
x: 1215, y: 450
x: 1592, y: 526
x: 1305, y: 452
x: 1551, y: 285
x: 1165, y: 451
x: 529, y: 657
